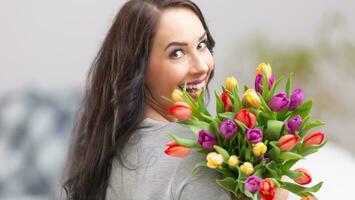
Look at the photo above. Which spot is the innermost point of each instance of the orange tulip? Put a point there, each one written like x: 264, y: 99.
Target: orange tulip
x: 226, y: 102
x: 174, y: 149
x: 246, y: 117
x: 305, y: 178
x: 288, y: 142
x: 180, y: 110
x: 316, y: 138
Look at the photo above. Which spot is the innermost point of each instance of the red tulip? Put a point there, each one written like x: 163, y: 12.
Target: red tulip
x: 267, y: 189
x: 288, y: 142
x: 316, y: 138
x: 305, y: 178
x: 180, y: 110
x: 226, y: 102
x: 176, y: 150
x: 246, y: 117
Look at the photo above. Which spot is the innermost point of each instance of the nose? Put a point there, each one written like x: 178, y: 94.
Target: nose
x: 199, y: 65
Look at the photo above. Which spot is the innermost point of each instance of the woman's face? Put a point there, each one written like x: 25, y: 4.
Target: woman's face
x: 179, y: 54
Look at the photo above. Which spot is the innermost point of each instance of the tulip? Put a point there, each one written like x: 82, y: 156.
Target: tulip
x: 231, y: 82
x: 206, y: 139
x: 259, y: 83
x: 253, y: 183
x: 293, y: 124
x: 259, y: 149
x: 177, y: 95
x: 266, y: 68
x: 296, y: 99
x: 176, y: 150
x: 309, y: 197
x: 228, y: 128
x: 279, y: 102
x: 233, y: 161
x: 305, y: 178
x: 214, y: 160
x: 180, y: 110
x: 288, y: 142
x: 246, y: 118
x: 267, y: 189
x: 316, y: 138
x: 254, y: 135
x: 247, y: 168
x: 228, y: 105
x: 263, y: 158
x: 251, y: 98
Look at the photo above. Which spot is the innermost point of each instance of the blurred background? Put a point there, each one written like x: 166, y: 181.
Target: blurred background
x: 46, y: 48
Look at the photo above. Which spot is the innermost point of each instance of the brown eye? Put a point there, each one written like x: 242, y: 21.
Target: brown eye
x: 202, y: 45
x: 176, y: 54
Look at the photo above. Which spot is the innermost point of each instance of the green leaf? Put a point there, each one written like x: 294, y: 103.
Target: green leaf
x: 273, y: 130
x: 227, y: 115
x: 265, y: 87
x: 236, y: 100
x: 272, y: 90
x: 219, y: 103
x: 288, y: 85
x: 307, y: 150
x: 241, y: 125
x: 265, y: 107
x: 223, y: 152
x: 289, y: 164
x: 196, y: 125
x: 289, y: 156
x: 206, y: 118
x: 184, y: 142
x: 201, y: 103
x: 303, y: 110
x: 228, y: 184
x: 293, y: 174
x: 309, y: 125
x: 299, y: 190
x: 198, y: 165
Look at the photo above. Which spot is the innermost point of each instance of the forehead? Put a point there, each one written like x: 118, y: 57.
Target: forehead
x: 178, y: 24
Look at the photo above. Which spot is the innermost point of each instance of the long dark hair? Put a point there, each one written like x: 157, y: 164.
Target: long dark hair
x: 115, y: 100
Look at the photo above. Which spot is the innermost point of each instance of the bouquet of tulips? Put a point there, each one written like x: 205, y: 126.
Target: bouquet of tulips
x: 255, y: 139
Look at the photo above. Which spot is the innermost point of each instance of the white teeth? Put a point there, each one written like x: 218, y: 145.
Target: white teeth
x: 195, y: 86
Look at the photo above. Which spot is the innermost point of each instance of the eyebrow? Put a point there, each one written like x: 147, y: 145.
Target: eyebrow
x: 182, y: 43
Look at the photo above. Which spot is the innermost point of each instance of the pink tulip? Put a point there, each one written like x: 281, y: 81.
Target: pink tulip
x: 316, y: 138
x: 305, y: 177
x: 288, y: 142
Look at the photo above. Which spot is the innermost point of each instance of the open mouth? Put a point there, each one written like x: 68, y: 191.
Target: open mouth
x: 193, y: 89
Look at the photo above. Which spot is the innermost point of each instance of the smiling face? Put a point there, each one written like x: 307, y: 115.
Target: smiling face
x: 179, y: 54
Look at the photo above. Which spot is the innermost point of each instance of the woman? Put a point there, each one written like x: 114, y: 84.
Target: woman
x: 152, y: 48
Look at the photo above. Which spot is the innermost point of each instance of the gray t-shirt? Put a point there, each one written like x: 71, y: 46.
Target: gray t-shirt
x: 153, y: 175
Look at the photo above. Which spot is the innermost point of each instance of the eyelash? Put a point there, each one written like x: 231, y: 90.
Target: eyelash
x: 172, y: 54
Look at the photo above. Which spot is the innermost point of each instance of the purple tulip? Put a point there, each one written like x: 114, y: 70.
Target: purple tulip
x: 259, y: 82
x: 253, y: 183
x: 296, y: 99
x: 293, y: 124
x: 206, y: 139
x: 228, y: 128
x: 263, y: 158
x: 279, y: 102
x: 255, y: 135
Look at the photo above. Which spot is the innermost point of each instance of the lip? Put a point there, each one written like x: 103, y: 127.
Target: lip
x: 198, y: 81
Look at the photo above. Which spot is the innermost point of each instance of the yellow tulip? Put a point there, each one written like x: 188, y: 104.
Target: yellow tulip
x: 259, y: 149
x: 177, y: 95
x: 231, y: 82
x: 252, y: 98
x: 233, y: 161
x: 247, y: 168
x: 214, y: 160
x: 266, y: 68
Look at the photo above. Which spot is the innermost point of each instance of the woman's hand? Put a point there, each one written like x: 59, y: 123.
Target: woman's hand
x: 280, y: 193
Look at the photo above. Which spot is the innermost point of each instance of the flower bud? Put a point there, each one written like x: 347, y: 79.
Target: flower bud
x: 251, y: 98
x: 254, y: 135
x: 296, y: 99
x: 316, y: 138
x: 247, y: 168
x: 227, y: 102
x: 180, y: 110
x: 279, y: 102
x: 259, y: 83
x: 267, y: 189
x: 293, y: 124
x: 233, y: 161
x: 231, y: 82
x: 305, y: 178
x: 177, y: 95
x: 228, y: 128
x: 246, y: 118
x: 206, y: 139
x: 266, y: 68
x: 176, y: 150
x: 259, y: 149
x: 287, y: 142
x: 214, y: 160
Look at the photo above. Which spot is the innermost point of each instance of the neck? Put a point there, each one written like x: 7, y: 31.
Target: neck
x: 157, y: 114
